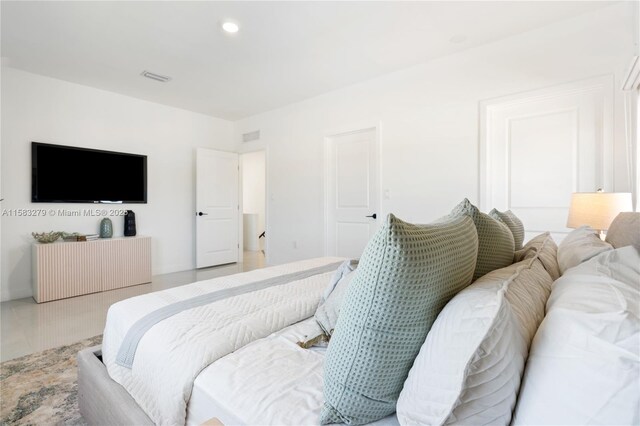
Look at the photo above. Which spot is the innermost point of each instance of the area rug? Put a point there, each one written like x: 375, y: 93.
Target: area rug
x: 42, y: 388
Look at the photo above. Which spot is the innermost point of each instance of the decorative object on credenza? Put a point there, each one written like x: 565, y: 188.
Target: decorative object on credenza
x: 46, y: 237
x: 597, y: 209
x: 71, y: 236
x: 77, y: 237
x: 106, y: 228
x: 130, y: 224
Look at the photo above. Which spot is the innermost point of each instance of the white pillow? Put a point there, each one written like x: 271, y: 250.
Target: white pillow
x: 584, y: 365
x: 328, y: 311
x: 580, y: 245
x: 342, y: 271
x: 468, y: 370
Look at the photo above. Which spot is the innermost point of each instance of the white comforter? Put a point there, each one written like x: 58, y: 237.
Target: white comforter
x: 271, y: 381
x: 174, y: 351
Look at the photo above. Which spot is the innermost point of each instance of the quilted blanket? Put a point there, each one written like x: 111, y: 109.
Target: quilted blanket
x: 172, y: 352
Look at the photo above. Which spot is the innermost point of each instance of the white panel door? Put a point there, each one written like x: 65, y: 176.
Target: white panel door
x: 352, y: 192
x: 539, y: 147
x: 216, y: 207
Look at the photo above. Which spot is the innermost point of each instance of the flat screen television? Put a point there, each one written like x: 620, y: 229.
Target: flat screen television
x: 66, y: 174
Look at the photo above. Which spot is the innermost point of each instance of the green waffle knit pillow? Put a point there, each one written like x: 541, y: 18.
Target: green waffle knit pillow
x: 406, y: 275
x: 495, y: 241
x: 513, y: 223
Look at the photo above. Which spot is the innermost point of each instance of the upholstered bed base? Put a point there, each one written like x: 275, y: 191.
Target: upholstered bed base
x: 101, y: 400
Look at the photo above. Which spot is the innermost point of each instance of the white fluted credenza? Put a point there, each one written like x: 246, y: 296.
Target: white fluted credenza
x: 67, y: 269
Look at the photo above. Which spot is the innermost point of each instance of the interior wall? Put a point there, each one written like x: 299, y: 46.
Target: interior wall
x: 37, y: 108
x: 429, y: 124
x: 253, y: 189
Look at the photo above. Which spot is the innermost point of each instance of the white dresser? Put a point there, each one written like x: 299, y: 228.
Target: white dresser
x: 67, y: 269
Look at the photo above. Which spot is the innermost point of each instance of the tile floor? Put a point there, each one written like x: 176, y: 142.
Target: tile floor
x: 27, y: 327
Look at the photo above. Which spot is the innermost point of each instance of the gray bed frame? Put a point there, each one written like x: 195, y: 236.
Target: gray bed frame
x: 101, y: 400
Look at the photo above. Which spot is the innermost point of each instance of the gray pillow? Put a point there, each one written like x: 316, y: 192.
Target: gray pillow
x: 513, y: 223
x: 406, y: 275
x: 625, y: 230
x: 495, y: 240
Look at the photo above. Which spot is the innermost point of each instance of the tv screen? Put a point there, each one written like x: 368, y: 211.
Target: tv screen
x: 65, y: 174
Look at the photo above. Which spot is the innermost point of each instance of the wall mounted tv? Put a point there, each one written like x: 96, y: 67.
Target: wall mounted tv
x: 65, y: 174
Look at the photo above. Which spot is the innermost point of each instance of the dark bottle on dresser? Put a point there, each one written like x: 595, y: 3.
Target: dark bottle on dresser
x: 130, y: 224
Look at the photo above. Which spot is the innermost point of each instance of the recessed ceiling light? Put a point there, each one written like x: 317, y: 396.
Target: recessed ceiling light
x: 230, y: 27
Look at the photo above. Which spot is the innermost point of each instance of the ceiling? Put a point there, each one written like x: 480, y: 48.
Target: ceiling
x: 285, y: 51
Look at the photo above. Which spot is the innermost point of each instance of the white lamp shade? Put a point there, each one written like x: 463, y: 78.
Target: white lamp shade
x: 597, y: 209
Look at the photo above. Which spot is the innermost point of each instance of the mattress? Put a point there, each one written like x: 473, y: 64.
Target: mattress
x: 271, y: 381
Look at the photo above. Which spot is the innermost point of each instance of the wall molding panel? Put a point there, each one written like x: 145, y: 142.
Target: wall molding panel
x: 537, y: 147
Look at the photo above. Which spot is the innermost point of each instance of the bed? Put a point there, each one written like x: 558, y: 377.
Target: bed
x: 254, y: 372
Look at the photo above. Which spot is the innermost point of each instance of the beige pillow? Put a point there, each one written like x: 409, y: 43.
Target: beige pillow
x: 546, y: 249
x: 579, y: 246
x: 625, y: 230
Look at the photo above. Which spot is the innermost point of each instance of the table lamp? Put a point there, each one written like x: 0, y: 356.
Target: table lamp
x: 597, y: 209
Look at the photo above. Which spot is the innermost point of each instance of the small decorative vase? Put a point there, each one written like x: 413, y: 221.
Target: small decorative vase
x: 106, y: 228
x: 130, y: 224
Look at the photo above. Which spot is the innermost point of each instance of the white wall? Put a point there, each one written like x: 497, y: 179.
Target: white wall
x: 253, y: 186
x: 429, y: 139
x: 36, y: 108
x: 429, y: 123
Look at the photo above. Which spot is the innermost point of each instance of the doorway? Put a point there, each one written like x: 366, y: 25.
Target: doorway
x: 253, y: 166
x: 216, y: 207
x: 352, y: 192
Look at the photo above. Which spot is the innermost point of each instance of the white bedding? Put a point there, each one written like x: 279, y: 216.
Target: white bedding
x: 584, y: 363
x: 271, y: 381
x: 174, y: 351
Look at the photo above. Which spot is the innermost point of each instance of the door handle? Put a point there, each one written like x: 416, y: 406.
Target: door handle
x: 202, y: 214
x: 373, y: 216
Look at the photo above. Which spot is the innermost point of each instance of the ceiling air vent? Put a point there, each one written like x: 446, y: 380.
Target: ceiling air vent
x: 157, y: 77
x: 251, y: 136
